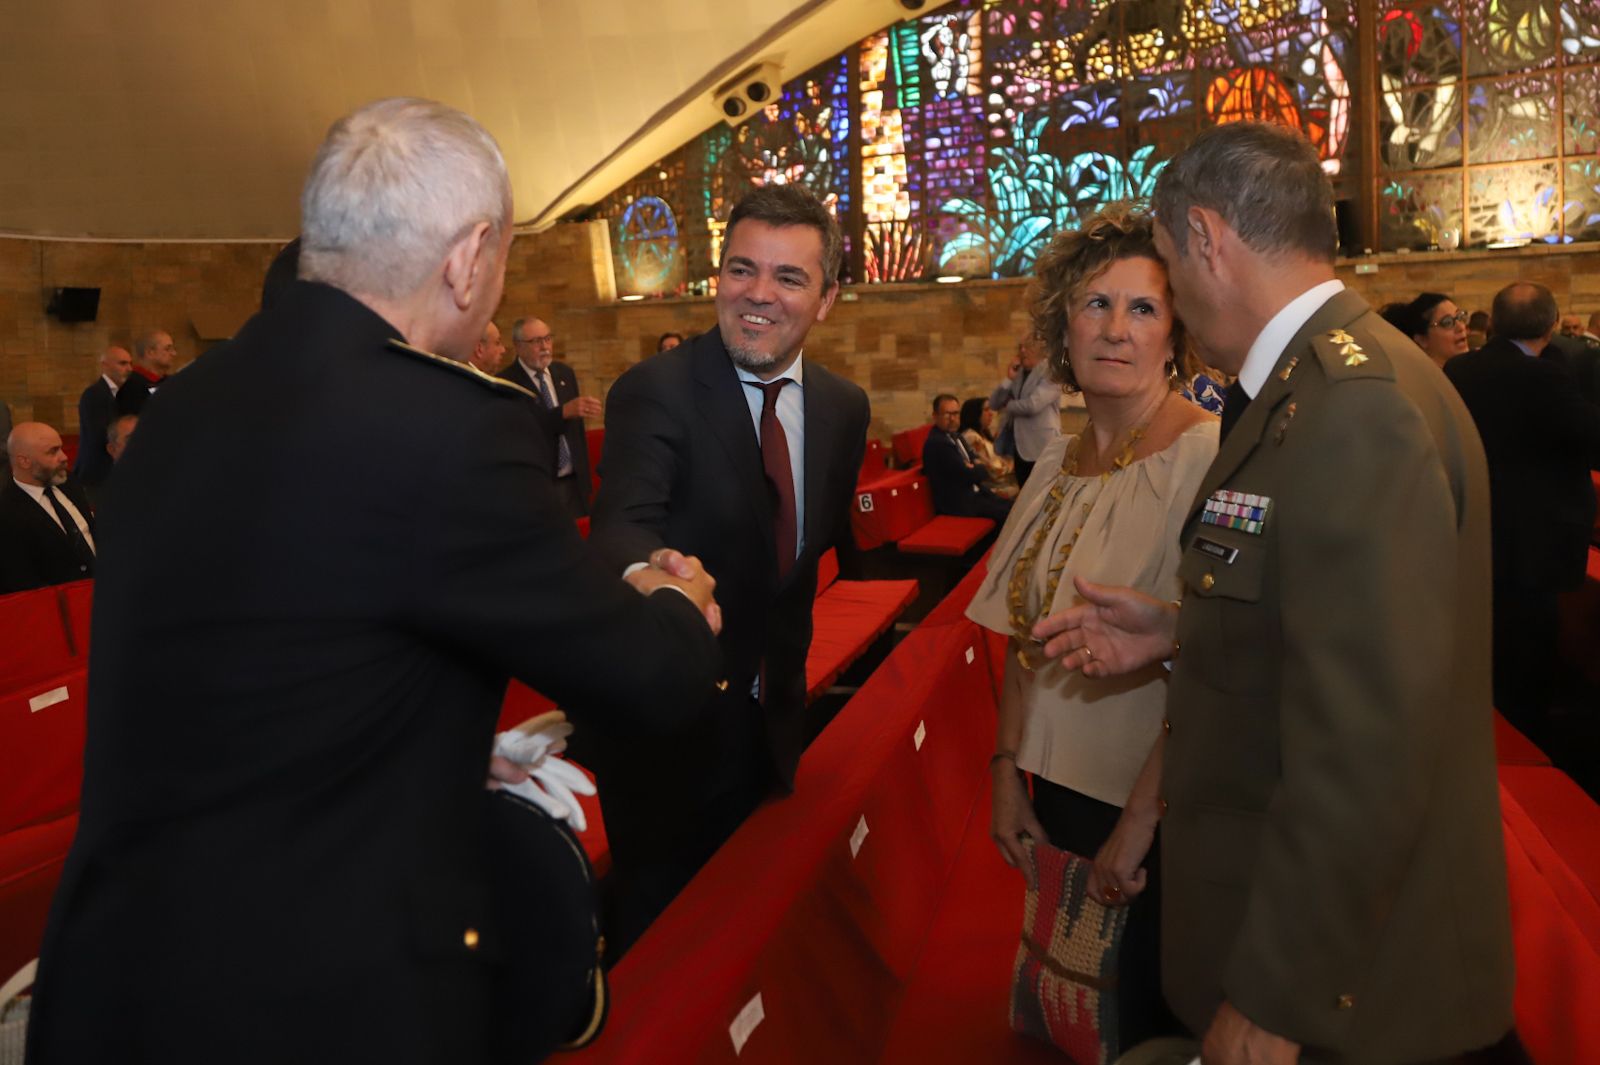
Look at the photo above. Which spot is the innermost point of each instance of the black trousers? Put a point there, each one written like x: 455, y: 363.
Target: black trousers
x: 1081, y: 825
x: 660, y: 838
x: 1022, y: 468
x: 575, y: 496
x: 1527, y: 661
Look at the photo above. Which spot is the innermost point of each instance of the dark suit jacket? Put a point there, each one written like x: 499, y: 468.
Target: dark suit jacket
x: 97, y: 409
x: 1332, y: 857
x: 553, y: 424
x: 956, y: 486
x: 282, y: 841
x: 682, y: 469
x: 1542, y: 439
x: 1581, y: 357
x: 137, y: 390
x: 37, y: 553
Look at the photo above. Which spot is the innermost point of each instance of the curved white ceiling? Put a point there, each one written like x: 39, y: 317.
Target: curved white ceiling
x: 195, y: 119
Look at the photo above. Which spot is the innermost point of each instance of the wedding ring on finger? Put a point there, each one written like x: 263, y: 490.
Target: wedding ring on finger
x: 1088, y: 655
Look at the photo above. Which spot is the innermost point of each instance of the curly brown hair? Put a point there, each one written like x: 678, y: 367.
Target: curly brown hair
x: 1077, y: 256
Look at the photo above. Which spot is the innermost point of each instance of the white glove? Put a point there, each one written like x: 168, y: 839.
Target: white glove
x: 553, y: 784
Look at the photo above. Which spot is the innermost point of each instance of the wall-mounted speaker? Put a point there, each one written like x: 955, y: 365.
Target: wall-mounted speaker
x: 742, y: 96
x: 74, y: 304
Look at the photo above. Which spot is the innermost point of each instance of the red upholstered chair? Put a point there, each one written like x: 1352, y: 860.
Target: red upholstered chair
x: 30, y: 865
x: 908, y: 446
x: 596, y: 439
x: 1512, y: 747
x: 41, y: 751
x: 874, y: 462
x: 888, y: 509
x: 846, y: 619
x: 35, y: 641
x: 1553, y: 870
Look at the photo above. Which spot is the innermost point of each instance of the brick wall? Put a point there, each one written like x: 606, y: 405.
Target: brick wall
x: 902, y: 344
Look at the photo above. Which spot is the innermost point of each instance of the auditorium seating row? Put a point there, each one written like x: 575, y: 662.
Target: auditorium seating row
x: 866, y: 917
x: 869, y: 918
x: 43, y: 681
x: 897, y: 508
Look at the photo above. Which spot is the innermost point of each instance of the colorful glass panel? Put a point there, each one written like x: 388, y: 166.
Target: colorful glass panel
x: 961, y: 140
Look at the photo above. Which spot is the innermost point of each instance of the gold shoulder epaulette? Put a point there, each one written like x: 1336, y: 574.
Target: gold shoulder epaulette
x: 499, y: 384
x: 1344, y: 356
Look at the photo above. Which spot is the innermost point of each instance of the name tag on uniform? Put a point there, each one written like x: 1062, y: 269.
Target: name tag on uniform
x: 1237, y: 510
x: 1216, y: 550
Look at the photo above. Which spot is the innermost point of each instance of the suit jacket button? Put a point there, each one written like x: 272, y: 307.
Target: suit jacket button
x: 1161, y: 804
x: 1345, y: 1002
x: 1166, y: 726
x: 722, y: 685
x: 1207, y: 582
x: 469, y: 939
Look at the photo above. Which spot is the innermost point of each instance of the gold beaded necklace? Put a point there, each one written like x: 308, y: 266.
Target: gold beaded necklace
x: 1017, y: 589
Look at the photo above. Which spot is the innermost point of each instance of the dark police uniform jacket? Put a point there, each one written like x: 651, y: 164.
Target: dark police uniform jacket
x: 281, y: 853
x: 1331, y: 850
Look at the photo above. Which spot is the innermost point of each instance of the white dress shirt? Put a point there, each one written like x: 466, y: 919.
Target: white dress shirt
x: 548, y: 382
x: 792, y: 416
x: 37, y: 492
x: 1276, y: 335
x: 111, y: 385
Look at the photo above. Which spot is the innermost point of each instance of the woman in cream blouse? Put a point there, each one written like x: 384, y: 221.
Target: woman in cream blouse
x: 1107, y: 505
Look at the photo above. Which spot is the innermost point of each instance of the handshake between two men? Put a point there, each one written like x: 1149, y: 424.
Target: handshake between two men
x: 547, y: 733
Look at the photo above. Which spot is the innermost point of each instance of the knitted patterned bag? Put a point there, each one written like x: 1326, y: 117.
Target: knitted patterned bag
x: 1064, y: 983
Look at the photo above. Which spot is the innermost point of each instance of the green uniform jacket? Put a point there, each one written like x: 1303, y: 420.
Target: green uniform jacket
x: 1332, y: 846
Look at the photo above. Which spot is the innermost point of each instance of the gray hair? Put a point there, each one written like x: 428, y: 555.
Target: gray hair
x: 1264, y: 180
x: 147, y: 342
x: 518, y: 327
x: 393, y: 187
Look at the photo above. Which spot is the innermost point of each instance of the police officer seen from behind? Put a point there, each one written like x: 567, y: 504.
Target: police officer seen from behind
x: 282, y: 852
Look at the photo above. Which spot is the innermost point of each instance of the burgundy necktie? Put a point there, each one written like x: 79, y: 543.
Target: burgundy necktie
x: 775, y: 460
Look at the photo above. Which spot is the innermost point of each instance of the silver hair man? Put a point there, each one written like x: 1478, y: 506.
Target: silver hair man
x: 393, y: 188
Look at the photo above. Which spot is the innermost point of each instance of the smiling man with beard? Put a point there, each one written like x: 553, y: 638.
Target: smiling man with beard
x: 734, y: 447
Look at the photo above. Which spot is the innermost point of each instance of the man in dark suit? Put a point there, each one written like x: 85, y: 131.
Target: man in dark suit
x: 97, y: 408
x: 46, y: 524
x: 283, y: 852
x: 560, y: 409
x: 156, y: 354
x: 958, y: 481
x: 734, y: 448
x: 1334, y: 878
x: 1542, y: 439
x: 1580, y: 357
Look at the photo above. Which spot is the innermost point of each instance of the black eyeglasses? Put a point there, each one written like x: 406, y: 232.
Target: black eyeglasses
x: 1450, y: 321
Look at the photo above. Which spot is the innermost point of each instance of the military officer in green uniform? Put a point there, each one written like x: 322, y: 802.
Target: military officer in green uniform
x: 1336, y: 886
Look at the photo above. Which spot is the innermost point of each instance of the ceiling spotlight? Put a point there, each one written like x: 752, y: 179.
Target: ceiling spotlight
x: 733, y: 107
x: 759, y: 91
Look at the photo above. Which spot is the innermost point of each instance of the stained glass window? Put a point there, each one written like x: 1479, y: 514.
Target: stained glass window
x: 960, y: 141
x: 1469, y: 86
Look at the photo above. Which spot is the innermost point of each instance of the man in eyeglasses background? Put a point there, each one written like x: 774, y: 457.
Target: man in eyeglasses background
x: 561, y: 409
